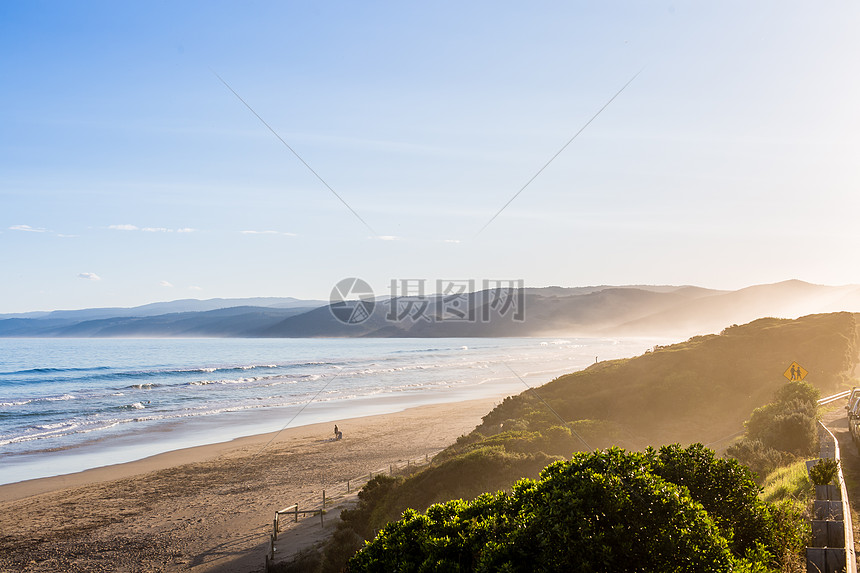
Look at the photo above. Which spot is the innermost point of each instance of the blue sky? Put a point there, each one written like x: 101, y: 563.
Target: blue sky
x: 130, y: 174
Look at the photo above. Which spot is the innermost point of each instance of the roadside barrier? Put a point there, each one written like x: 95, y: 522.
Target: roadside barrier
x: 832, y: 548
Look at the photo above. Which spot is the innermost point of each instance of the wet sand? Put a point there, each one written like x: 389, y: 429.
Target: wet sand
x: 208, y: 508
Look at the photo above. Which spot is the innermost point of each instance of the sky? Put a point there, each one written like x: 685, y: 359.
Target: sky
x: 130, y: 173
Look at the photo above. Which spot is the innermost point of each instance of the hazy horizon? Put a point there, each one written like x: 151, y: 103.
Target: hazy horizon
x: 382, y: 295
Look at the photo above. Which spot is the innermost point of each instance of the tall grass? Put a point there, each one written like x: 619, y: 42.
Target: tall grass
x: 789, y: 482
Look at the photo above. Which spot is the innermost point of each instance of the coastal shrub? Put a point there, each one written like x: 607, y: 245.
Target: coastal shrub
x: 777, y: 433
x: 824, y: 472
x: 369, y: 513
x: 607, y: 510
x: 786, y: 427
x: 760, y: 459
x: 725, y: 488
x: 597, y: 433
x: 338, y: 549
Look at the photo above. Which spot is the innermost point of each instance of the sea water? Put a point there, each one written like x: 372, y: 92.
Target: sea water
x: 68, y: 405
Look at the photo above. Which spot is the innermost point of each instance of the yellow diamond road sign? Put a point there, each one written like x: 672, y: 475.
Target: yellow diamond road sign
x: 795, y: 372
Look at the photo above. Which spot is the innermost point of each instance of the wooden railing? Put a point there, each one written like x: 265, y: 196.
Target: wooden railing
x: 346, y: 488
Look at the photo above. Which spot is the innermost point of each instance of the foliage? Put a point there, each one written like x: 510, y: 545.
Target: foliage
x: 726, y: 489
x: 693, y: 391
x: 602, y: 511
x: 789, y: 482
x: 789, y: 423
x: 761, y: 459
x: 788, y: 530
x: 824, y: 472
x: 369, y: 514
x: 778, y: 432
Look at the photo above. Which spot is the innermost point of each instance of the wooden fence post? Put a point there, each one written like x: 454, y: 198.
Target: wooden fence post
x: 322, y: 511
x: 275, y: 527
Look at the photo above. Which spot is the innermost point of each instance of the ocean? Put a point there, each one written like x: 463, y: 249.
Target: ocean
x: 68, y: 405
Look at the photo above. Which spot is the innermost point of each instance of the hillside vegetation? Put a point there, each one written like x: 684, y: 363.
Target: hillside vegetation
x: 700, y: 390
x: 697, y: 391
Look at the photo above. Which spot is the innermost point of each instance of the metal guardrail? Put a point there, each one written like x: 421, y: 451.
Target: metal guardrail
x: 833, y: 531
x: 834, y: 397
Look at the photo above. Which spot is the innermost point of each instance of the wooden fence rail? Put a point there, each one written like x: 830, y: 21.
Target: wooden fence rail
x: 346, y: 488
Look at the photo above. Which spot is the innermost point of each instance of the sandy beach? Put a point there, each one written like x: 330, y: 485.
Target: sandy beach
x: 208, y: 508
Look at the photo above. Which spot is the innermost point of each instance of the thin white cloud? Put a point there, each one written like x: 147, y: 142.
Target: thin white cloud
x: 165, y: 284
x: 451, y: 241
x: 281, y: 233
x: 388, y: 238
x: 195, y: 288
x: 150, y: 229
x: 89, y: 276
x: 27, y: 228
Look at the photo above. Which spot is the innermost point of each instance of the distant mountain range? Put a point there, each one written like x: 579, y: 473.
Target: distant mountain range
x: 639, y: 310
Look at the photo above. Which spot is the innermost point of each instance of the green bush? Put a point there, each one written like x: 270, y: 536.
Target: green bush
x: 824, y: 472
x: 726, y: 489
x: 602, y: 511
x: 777, y: 433
x: 761, y: 459
x: 369, y: 514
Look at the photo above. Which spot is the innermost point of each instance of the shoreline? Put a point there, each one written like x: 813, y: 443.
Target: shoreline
x: 201, y: 453
x: 217, y: 432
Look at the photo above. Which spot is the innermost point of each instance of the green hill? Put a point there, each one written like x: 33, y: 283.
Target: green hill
x: 697, y: 391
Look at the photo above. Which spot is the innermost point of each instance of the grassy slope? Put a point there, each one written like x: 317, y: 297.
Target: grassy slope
x: 695, y: 391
